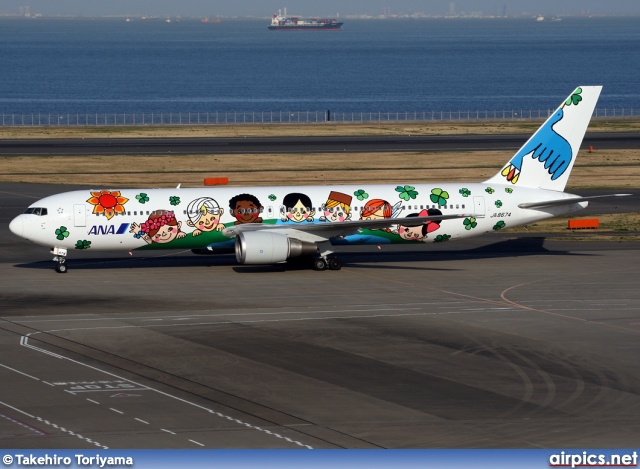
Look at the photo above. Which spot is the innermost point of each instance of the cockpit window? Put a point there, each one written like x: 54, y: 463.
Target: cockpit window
x: 40, y: 211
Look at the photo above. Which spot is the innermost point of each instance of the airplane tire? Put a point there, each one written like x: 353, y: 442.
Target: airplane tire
x: 319, y: 264
x: 335, y: 264
x: 61, y: 269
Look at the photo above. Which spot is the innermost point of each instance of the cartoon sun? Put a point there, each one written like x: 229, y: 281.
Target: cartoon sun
x: 108, y: 203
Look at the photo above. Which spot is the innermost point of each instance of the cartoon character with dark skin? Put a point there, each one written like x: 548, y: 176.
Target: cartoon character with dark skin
x: 297, y: 208
x: 337, y: 207
x: 161, y: 227
x: 246, y: 208
x: 378, y: 209
x: 419, y: 231
x: 204, y: 215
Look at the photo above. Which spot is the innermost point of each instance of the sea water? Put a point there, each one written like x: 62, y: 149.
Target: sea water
x: 143, y: 66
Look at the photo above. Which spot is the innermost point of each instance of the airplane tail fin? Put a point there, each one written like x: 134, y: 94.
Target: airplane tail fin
x: 546, y: 159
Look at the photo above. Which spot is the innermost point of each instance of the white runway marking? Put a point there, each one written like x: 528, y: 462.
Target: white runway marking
x: 62, y: 429
x: 20, y: 372
x: 24, y: 341
x: 17, y: 422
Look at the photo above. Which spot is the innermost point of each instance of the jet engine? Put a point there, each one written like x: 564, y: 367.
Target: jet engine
x: 264, y: 247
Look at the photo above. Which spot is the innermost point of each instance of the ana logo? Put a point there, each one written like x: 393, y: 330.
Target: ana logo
x: 108, y: 229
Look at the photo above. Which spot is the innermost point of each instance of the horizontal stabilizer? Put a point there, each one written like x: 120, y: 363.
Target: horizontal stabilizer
x: 566, y: 201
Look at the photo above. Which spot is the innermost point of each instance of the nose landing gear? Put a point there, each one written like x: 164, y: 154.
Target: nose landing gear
x: 60, y: 257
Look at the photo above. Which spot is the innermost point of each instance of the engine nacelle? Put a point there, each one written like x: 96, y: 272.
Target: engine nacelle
x: 264, y: 247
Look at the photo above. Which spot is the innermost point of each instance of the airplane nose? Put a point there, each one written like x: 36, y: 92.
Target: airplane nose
x: 17, y: 226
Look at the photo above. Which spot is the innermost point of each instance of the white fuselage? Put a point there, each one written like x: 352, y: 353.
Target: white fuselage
x: 130, y: 219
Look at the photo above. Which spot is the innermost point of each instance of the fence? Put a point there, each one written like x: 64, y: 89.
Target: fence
x: 277, y: 117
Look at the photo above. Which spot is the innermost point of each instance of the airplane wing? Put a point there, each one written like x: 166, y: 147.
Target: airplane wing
x: 326, y: 230
x: 566, y: 201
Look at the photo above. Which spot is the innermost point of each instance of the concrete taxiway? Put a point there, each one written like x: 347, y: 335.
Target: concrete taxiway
x: 283, y: 145
x: 501, y: 341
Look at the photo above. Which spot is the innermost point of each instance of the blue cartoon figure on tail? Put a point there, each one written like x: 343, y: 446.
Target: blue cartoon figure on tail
x: 546, y: 145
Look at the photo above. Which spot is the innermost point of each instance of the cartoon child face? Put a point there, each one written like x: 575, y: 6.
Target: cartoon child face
x: 166, y: 233
x: 204, y: 215
x: 419, y: 232
x: 377, y: 215
x: 412, y: 233
x: 377, y: 209
x: 297, y: 208
x: 336, y: 213
x: 207, y: 221
x: 298, y: 212
x: 337, y: 207
x: 246, y: 211
x: 161, y: 227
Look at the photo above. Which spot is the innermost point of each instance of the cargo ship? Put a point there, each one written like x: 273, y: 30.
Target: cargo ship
x: 281, y: 22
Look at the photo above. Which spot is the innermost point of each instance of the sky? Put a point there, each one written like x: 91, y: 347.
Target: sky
x: 265, y: 8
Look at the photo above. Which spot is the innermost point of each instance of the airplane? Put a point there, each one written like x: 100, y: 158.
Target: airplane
x: 269, y: 225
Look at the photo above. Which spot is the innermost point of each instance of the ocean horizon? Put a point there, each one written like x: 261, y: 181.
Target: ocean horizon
x: 83, y: 66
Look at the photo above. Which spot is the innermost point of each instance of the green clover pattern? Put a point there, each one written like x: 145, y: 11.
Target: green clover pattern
x: 407, y: 192
x: 142, y: 198
x: 438, y: 196
x: 470, y: 223
x: 575, y: 98
x: 442, y: 238
x: 173, y: 200
x: 361, y: 194
x: 499, y: 225
x: 83, y: 244
x: 62, y: 233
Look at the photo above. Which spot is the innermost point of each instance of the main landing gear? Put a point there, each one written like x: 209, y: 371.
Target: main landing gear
x: 320, y: 263
x: 323, y: 261
x: 60, y: 257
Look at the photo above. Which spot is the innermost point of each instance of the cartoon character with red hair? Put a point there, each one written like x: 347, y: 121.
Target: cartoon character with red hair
x: 161, y: 227
x: 378, y: 209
